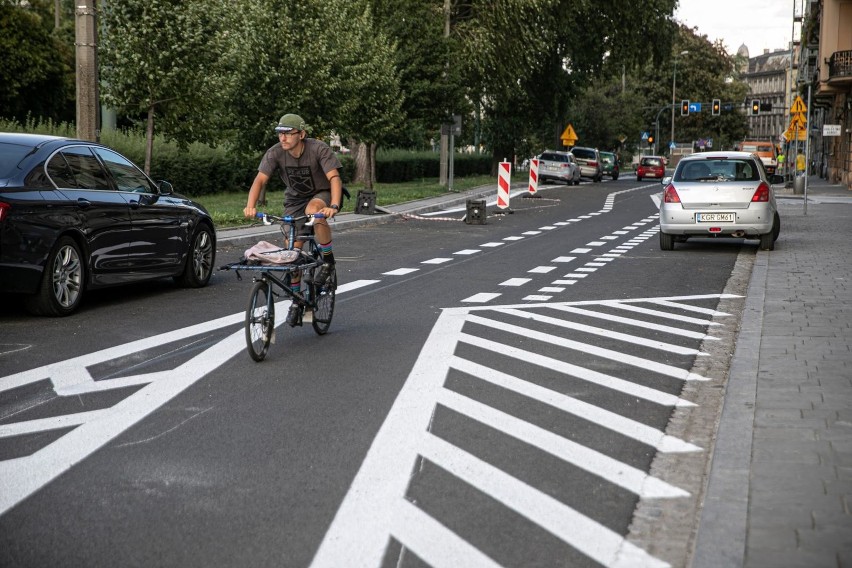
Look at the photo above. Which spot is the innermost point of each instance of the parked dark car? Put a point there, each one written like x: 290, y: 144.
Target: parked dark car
x: 609, y: 161
x: 75, y: 215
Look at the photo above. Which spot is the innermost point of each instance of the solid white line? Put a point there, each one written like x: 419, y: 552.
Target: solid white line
x: 358, y: 535
x: 661, y: 368
x: 596, y: 463
x: 586, y: 535
x: 608, y: 381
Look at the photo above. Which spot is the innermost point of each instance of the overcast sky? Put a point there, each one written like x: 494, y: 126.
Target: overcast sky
x: 759, y: 24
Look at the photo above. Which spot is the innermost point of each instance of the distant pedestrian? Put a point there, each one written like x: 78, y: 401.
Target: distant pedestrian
x: 801, y: 163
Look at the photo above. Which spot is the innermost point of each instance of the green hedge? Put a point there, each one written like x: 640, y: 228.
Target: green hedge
x: 203, y: 170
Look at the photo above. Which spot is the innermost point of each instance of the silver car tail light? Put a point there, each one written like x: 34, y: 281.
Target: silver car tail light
x: 761, y: 195
x: 670, y: 195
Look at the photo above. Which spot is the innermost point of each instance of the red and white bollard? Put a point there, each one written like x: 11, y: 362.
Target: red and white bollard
x: 533, y: 176
x: 504, y: 177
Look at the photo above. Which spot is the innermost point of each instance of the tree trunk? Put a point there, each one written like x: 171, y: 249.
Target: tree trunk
x: 149, y: 140
x: 372, y: 166
x: 362, y: 161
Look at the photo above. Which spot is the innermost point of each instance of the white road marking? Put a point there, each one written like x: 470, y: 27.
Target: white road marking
x: 481, y: 298
x: 21, y: 477
x: 541, y: 269
x: 400, y: 271
x: 467, y: 251
x: 436, y: 261
x: 369, y: 516
x: 563, y: 259
x: 581, y: 250
x: 515, y: 282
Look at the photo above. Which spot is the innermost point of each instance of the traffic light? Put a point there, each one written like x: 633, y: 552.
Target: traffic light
x: 717, y: 106
x: 684, y: 107
x: 755, y: 107
x: 650, y: 140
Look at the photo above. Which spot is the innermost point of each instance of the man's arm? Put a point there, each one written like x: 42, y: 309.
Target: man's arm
x: 259, y: 183
x: 336, y: 192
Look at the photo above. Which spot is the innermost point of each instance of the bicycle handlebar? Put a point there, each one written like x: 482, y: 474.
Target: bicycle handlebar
x: 268, y: 219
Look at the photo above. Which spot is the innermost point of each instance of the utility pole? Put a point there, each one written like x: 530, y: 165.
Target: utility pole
x: 86, y: 52
x: 443, y: 178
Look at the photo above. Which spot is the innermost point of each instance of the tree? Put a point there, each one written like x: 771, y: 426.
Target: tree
x: 36, y: 70
x: 162, y: 58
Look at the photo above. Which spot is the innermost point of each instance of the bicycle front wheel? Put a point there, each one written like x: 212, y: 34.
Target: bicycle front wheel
x: 260, y: 321
x: 324, y: 303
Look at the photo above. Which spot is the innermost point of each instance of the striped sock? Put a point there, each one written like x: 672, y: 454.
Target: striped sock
x: 296, y: 285
x: 327, y: 255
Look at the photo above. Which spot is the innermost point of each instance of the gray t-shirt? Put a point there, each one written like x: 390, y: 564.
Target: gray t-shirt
x: 304, y: 176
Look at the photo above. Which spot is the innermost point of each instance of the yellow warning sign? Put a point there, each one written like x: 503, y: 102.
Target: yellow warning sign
x: 569, y: 137
x: 794, y: 133
x: 798, y: 107
x: 798, y: 120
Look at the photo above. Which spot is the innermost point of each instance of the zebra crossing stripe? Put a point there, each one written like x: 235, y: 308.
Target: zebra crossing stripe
x: 605, y: 467
x: 662, y: 368
x: 604, y: 380
x: 610, y: 420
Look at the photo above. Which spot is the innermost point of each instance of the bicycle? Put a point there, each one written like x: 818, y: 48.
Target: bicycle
x: 316, y: 300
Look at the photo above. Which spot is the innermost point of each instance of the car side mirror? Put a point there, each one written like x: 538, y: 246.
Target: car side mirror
x: 666, y: 180
x: 165, y: 187
x: 776, y: 178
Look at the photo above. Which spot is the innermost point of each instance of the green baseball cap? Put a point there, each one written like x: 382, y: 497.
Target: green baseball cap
x: 290, y: 122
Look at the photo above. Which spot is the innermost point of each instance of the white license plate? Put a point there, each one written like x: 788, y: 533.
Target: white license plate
x: 715, y: 217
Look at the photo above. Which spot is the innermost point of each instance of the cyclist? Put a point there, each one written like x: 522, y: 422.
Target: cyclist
x: 311, y: 173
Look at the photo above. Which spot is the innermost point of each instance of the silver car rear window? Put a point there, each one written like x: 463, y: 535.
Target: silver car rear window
x: 717, y: 170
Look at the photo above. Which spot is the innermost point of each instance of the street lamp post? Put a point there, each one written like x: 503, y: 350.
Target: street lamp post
x: 674, y: 82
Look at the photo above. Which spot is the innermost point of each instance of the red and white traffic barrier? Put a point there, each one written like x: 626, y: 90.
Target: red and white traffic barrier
x: 504, y: 177
x: 533, y: 176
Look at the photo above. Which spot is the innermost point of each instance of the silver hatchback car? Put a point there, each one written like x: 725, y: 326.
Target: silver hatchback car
x: 558, y: 166
x: 719, y: 194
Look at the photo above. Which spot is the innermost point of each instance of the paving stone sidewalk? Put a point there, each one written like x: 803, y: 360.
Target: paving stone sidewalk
x: 780, y: 488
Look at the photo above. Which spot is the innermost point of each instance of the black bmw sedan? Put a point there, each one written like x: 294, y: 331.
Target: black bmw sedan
x: 76, y: 215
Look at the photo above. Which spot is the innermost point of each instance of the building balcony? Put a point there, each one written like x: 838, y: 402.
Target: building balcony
x: 840, y: 68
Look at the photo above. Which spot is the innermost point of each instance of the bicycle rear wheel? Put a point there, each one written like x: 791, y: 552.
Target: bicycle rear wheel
x: 323, y: 303
x: 260, y: 320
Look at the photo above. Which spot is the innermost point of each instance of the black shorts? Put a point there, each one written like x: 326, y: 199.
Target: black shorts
x: 295, y: 206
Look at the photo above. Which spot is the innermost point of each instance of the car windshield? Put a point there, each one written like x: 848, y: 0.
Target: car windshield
x: 10, y: 156
x: 585, y: 154
x: 550, y: 157
x: 606, y: 158
x: 717, y: 170
x: 651, y: 162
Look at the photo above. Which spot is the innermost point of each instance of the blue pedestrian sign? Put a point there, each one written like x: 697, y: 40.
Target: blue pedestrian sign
x: 645, y: 136
x: 694, y: 107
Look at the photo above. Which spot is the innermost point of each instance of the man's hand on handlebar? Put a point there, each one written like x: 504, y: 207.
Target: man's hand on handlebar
x: 250, y: 212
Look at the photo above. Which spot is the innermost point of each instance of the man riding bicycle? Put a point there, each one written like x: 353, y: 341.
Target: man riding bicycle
x: 311, y: 173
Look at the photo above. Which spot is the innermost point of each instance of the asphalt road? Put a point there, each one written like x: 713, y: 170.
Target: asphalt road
x: 489, y: 394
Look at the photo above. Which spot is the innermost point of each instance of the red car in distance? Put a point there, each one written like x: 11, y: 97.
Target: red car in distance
x: 650, y: 167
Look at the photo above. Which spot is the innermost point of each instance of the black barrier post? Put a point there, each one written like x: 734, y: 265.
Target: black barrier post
x: 475, y: 212
x: 366, y: 202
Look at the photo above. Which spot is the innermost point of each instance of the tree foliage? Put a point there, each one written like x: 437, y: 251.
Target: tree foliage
x: 162, y: 58
x: 36, y: 69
